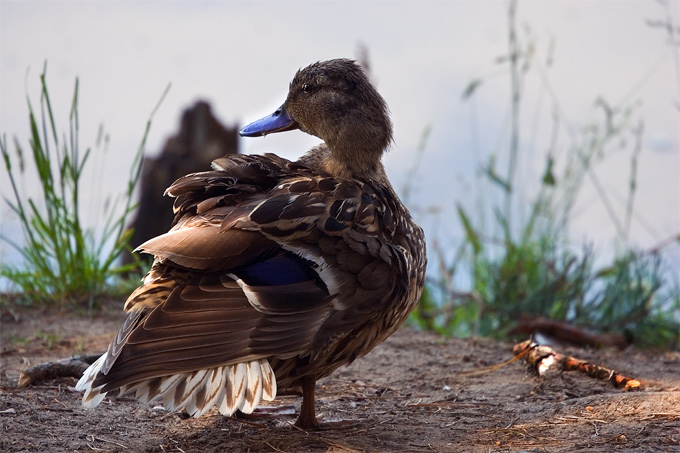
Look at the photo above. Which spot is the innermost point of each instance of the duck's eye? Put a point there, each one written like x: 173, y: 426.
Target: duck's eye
x: 306, y: 88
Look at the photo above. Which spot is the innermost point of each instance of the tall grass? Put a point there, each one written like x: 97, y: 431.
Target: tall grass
x: 524, y: 265
x: 63, y: 261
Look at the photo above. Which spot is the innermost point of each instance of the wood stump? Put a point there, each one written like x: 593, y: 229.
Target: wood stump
x: 200, y: 140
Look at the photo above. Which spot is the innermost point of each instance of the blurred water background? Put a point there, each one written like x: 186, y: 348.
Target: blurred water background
x: 240, y: 56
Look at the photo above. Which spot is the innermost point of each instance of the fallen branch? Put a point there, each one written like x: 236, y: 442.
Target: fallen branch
x: 568, y: 333
x: 71, y: 367
x: 544, y: 359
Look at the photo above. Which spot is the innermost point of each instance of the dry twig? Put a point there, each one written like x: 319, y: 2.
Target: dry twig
x: 544, y: 359
x: 71, y: 367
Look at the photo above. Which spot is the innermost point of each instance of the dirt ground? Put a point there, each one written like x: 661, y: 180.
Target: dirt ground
x: 404, y: 396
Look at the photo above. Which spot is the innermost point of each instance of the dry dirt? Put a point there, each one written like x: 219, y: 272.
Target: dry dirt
x: 404, y: 396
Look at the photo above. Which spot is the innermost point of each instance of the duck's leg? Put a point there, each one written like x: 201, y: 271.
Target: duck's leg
x: 307, y: 418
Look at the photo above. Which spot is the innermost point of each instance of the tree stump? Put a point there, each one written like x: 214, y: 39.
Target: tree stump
x: 200, y: 140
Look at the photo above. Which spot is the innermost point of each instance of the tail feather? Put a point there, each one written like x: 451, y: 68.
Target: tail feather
x: 235, y: 396
x: 268, y: 381
x: 215, y: 389
x: 231, y: 387
x: 92, y: 396
x: 254, y: 388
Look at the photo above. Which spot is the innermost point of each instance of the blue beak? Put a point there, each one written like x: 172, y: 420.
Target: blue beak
x: 278, y: 121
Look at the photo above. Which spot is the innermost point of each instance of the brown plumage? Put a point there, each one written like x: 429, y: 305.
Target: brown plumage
x: 275, y: 273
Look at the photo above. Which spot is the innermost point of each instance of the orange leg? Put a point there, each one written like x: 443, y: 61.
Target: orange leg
x: 307, y: 418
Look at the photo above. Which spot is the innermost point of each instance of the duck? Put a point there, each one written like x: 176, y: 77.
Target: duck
x: 274, y: 272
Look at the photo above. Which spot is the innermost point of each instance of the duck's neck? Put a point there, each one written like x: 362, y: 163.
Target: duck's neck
x: 354, y: 163
x: 357, y: 152
x: 321, y: 158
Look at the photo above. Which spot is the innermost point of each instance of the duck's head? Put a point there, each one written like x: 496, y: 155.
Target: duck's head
x: 335, y: 101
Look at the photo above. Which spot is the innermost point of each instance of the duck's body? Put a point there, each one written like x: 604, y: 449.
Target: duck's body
x: 275, y: 273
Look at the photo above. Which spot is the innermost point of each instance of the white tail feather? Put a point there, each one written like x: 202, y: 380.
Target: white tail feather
x: 92, y: 396
x: 231, y: 387
x: 254, y: 387
x: 235, y: 396
x: 214, y: 387
x: 222, y: 405
x: 268, y: 381
x: 187, y: 400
